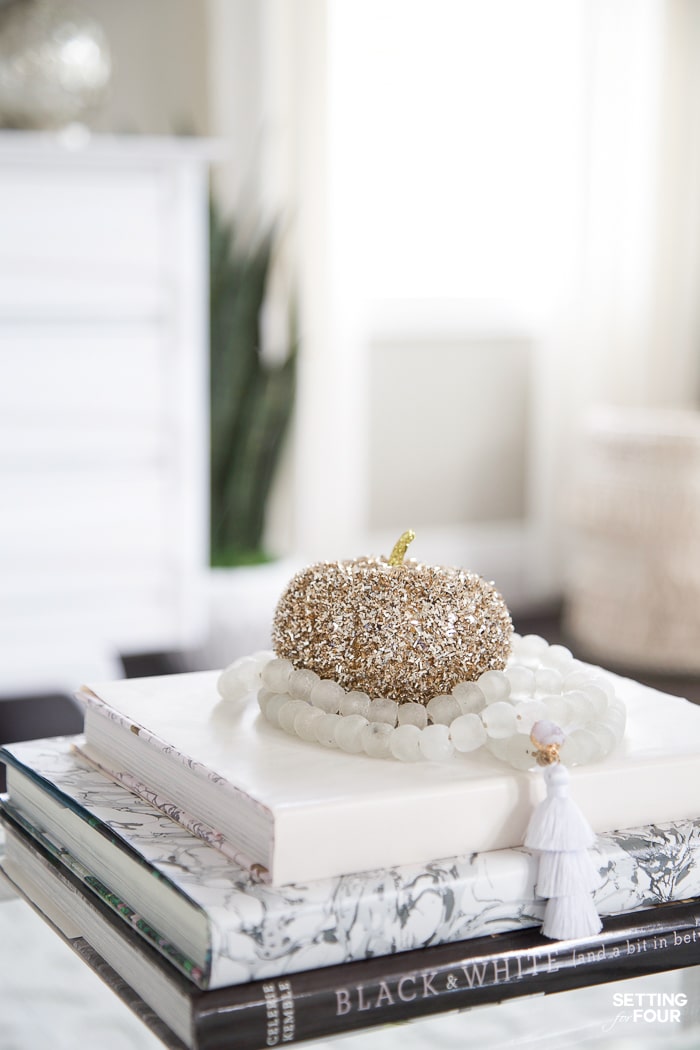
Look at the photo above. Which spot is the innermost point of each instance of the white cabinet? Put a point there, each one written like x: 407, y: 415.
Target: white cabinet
x: 103, y: 403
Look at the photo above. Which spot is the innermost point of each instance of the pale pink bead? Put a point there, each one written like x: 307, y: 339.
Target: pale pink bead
x: 547, y: 732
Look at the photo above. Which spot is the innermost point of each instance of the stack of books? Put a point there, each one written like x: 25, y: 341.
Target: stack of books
x: 240, y: 889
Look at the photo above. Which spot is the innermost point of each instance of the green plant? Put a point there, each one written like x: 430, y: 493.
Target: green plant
x: 251, y: 398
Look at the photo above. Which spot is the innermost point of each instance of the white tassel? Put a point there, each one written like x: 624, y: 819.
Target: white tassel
x: 562, y: 835
x: 566, y: 918
x: 557, y: 823
x: 566, y: 874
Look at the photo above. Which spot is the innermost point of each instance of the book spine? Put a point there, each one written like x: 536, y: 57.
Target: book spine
x: 407, y: 986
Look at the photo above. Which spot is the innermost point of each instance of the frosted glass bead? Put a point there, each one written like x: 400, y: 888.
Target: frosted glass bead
x: 530, y: 647
x: 469, y: 697
x: 435, y: 743
x: 327, y: 695
x: 262, y: 657
x: 301, y: 682
x: 548, y: 680
x: 467, y: 732
x: 557, y: 656
x: 275, y: 675
x: 616, y: 724
x: 375, y: 739
x: 231, y: 687
x: 527, y: 712
x: 288, y: 713
x: 248, y: 670
x: 304, y: 722
x: 558, y: 709
x: 405, y: 743
x: 607, y: 687
x: 382, y: 710
x: 521, y: 678
x: 605, y: 737
x: 582, y: 747
x: 443, y: 709
x: 354, y: 703
x: 263, y: 696
x: 411, y: 714
x: 274, y: 705
x: 576, y: 680
x: 348, y: 733
x: 499, y: 719
x: 325, y: 728
x: 519, y: 752
x: 494, y: 685
x: 580, y: 705
x: 598, y: 699
x: 498, y: 748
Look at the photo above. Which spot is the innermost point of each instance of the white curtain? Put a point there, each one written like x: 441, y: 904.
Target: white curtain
x: 635, y: 318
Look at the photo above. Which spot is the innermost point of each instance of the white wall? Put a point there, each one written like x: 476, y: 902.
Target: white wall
x: 159, y: 55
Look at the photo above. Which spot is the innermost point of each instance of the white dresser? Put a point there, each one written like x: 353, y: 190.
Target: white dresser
x: 103, y: 403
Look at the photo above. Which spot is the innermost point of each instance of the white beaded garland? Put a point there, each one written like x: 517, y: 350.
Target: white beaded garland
x: 275, y: 675
x: 301, y: 682
x: 495, y: 685
x: 499, y: 719
x: 348, y: 733
x: 304, y: 722
x: 413, y: 715
x: 541, y: 684
x: 435, y: 743
x: 376, y: 737
x: 405, y: 743
x: 469, y: 697
x: 468, y: 732
x: 443, y: 709
x: 327, y: 695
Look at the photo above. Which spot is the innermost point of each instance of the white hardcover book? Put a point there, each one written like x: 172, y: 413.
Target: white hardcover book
x: 295, y: 811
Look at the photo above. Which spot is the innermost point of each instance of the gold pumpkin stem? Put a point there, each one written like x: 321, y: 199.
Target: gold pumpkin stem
x: 401, y: 546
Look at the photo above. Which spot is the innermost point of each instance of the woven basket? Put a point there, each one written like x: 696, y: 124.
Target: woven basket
x: 633, y: 583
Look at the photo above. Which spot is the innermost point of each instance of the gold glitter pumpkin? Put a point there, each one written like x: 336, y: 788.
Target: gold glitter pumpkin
x: 392, y: 628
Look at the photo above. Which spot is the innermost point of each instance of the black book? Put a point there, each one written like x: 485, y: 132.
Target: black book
x: 357, y: 995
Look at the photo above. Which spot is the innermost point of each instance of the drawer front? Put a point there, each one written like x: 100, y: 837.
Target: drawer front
x: 82, y: 220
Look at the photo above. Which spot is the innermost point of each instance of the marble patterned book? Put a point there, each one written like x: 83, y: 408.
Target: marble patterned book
x: 220, y: 926
x: 296, y: 811
x: 354, y: 996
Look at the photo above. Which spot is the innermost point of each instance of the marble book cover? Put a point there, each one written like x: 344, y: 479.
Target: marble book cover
x: 258, y: 931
